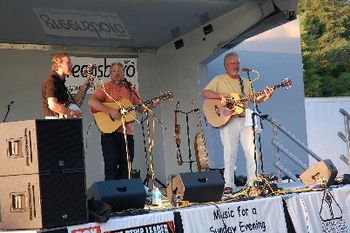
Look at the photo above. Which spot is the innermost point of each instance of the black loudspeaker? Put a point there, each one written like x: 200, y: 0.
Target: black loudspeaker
x: 323, y: 171
x: 40, y: 146
x: 38, y: 201
x: 197, y: 186
x: 120, y: 194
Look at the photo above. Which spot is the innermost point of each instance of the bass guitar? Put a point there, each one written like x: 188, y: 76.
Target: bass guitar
x: 107, y: 124
x: 218, y: 115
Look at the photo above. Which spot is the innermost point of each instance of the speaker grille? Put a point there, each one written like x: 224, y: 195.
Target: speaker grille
x: 63, y: 198
x: 60, y: 144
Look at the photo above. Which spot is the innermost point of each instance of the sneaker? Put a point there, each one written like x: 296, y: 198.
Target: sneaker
x: 227, y: 190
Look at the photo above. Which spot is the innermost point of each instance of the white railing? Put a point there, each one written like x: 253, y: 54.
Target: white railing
x: 345, y: 137
x: 280, y: 148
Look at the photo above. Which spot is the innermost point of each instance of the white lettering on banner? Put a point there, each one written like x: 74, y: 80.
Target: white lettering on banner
x: 95, y: 229
x: 101, y: 71
x: 78, y: 23
x: 156, y: 228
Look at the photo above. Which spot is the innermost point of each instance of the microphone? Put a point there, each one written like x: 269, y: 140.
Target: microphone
x: 125, y: 82
x: 88, y: 70
x: 245, y: 69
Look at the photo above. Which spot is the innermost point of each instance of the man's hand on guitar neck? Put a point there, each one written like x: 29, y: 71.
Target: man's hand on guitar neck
x: 268, y: 92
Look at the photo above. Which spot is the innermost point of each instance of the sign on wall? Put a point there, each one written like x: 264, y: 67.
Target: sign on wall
x: 101, y: 71
x: 78, y: 23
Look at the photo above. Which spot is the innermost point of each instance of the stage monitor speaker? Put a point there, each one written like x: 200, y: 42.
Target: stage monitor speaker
x: 39, y: 146
x: 38, y: 201
x: 197, y: 186
x: 323, y: 171
x: 120, y: 194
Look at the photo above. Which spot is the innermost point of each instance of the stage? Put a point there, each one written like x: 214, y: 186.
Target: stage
x: 299, y: 210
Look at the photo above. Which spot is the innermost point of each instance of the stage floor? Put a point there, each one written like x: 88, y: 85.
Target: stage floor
x: 297, y: 210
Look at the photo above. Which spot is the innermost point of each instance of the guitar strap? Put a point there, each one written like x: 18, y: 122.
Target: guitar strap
x: 242, y: 85
x: 70, y: 99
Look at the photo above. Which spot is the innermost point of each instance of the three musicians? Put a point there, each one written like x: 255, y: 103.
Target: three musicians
x: 119, y: 155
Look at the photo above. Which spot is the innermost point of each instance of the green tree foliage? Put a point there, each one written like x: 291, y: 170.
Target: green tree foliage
x: 325, y: 35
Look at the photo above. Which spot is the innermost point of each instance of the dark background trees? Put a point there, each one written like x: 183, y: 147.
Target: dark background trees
x: 325, y: 33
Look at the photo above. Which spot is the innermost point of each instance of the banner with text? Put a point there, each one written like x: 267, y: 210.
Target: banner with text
x: 101, y: 72
x: 160, y: 222
x: 79, y: 23
x: 263, y: 215
x: 323, y: 211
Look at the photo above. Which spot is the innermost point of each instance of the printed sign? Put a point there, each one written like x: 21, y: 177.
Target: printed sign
x: 101, y: 72
x: 265, y: 215
x: 159, y: 222
x: 165, y: 227
x: 78, y: 23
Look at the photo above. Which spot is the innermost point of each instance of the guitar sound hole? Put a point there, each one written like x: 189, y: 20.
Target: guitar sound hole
x: 111, y: 117
x: 217, y: 110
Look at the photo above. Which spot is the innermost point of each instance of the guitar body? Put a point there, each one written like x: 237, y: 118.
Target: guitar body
x: 108, y: 125
x: 217, y: 115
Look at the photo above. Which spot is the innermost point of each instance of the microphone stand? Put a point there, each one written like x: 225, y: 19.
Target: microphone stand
x: 8, y: 107
x: 150, y: 168
x: 148, y: 171
x: 254, y: 124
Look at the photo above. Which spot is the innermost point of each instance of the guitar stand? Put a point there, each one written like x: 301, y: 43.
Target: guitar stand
x: 190, y: 161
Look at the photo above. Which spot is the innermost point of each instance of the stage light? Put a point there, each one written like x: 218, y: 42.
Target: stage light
x: 179, y: 43
x: 208, y: 29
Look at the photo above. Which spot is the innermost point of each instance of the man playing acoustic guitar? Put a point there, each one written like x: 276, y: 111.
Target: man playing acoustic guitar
x: 116, y: 92
x: 221, y: 87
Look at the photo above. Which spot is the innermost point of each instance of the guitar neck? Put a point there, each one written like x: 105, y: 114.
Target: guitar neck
x: 83, y: 94
x: 246, y: 98
x: 137, y: 106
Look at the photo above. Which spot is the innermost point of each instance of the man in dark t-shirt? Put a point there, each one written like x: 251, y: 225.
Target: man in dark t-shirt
x: 54, y: 92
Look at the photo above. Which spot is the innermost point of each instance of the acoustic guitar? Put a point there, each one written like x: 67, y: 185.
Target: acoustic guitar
x: 107, y: 124
x: 218, y: 115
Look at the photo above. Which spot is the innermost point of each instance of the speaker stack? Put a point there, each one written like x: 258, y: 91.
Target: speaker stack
x: 42, y: 174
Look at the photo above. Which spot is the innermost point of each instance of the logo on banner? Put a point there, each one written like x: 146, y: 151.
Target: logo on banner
x: 78, y: 23
x: 331, y: 214
x: 165, y: 227
x: 95, y: 229
x: 102, y: 71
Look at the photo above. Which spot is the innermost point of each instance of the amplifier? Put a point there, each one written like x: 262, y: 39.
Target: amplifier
x: 323, y: 171
x: 197, y: 186
x: 120, y: 194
